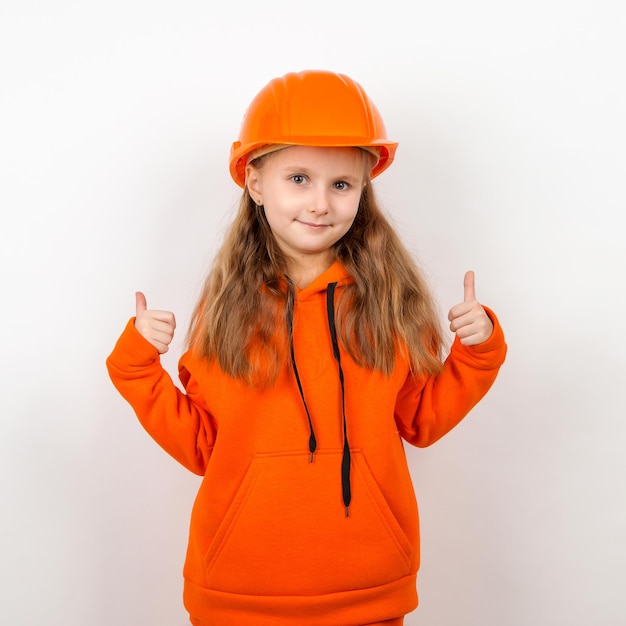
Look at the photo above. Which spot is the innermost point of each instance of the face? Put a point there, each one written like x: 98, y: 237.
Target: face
x: 310, y: 196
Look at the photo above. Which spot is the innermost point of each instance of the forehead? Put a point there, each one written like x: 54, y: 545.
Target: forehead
x: 324, y: 158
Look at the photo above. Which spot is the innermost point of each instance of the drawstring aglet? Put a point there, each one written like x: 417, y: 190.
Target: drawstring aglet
x: 347, y: 511
x: 311, y: 458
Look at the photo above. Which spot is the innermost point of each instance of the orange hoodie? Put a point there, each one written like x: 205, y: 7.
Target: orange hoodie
x: 270, y: 542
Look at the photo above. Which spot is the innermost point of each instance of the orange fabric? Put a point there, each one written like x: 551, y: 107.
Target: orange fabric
x: 399, y: 621
x: 270, y: 543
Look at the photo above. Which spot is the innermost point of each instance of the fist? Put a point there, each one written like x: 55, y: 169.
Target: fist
x: 468, y: 319
x: 156, y: 327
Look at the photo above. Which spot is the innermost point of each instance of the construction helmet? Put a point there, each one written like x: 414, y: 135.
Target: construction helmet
x: 311, y: 108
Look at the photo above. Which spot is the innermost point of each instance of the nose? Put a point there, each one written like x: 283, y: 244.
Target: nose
x: 320, y: 202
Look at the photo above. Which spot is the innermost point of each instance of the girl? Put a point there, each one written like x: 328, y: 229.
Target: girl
x: 314, y: 350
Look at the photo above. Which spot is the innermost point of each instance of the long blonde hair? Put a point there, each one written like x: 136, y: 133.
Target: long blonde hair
x: 243, y: 301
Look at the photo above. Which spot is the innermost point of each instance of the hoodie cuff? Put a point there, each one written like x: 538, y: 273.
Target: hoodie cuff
x: 133, y: 350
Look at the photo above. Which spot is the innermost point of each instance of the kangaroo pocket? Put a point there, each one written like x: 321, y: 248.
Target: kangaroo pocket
x: 286, y: 532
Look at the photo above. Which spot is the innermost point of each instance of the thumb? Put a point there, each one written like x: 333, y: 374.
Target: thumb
x: 468, y: 287
x: 140, y: 303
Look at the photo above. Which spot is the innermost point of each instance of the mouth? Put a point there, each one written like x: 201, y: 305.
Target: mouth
x: 313, y: 225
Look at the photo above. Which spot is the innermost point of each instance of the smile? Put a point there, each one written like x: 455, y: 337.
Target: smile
x: 312, y: 225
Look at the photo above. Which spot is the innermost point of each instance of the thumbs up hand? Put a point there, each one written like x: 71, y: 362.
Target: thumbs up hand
x: 468, y: 319
x: 157, y: 327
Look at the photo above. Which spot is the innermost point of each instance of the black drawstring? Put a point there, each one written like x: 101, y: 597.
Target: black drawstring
x: 345, y: 459
x: 290, y: 299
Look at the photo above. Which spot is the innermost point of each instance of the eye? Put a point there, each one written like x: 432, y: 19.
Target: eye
x: 342, y: 185
x: 298, y: 179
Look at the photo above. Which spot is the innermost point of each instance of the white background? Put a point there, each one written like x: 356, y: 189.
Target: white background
x: 115, y: 124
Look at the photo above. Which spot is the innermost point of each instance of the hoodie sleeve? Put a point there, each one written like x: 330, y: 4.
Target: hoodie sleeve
x: 429, y: 407
x: 179, y: 422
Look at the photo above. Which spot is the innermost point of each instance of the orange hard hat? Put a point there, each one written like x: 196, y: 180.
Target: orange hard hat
x: 311, y: 108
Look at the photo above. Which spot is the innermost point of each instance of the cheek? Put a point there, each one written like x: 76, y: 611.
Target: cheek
x: 350, y: 213
x: 276, y: 212
x: 345, y: 224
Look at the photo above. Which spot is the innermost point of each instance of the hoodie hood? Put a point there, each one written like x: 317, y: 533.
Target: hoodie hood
x: 336, y: 273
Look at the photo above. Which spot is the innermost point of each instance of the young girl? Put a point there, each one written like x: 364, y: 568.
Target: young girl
x: 314, y: 350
